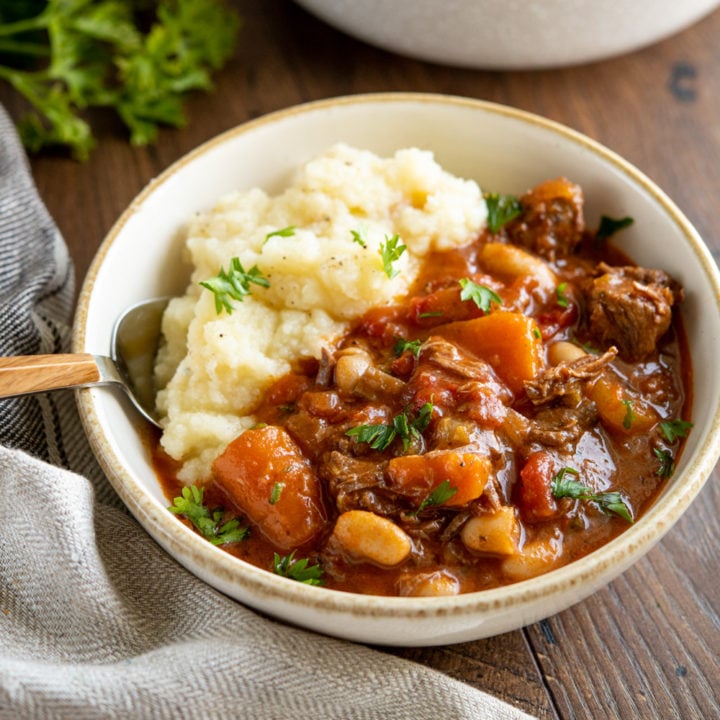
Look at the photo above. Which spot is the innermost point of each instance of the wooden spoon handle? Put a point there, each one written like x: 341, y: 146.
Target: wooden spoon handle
x: 26, y: 374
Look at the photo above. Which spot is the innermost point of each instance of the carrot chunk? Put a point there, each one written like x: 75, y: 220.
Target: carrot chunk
x: 265, y: 474
x: 508, y: 341
x: 418, y: 475
x: 620, y: 409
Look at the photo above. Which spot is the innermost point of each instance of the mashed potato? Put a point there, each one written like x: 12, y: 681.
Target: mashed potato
x: 324, y: 269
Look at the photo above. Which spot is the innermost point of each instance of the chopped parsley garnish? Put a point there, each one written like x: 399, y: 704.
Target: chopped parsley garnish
x: 667, y: 464
x: 233, y: 284
x: 441, y: 494
x: 430, y: 314
x: 288, y: 231
x: 560, y: 297
x: 501, y: 209
x: 276, y: 492
x: 608, y: 502
x: 629, y: 414
x: 401, y: 345
x: 481, y: 295
x: 358, y: 237
x: 674, y: 429
x: 390, y: 251
x: 287, y: 566
x: 380, y: 435
x: 208, y: 522
x: 609, y: 226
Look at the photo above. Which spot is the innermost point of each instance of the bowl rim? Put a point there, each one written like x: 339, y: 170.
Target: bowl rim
x: 219, y: 567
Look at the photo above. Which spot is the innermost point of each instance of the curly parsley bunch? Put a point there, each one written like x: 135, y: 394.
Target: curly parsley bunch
x: 137, y: 57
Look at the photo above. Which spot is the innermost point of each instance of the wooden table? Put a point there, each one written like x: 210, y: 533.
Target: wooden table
x: 647, y: 646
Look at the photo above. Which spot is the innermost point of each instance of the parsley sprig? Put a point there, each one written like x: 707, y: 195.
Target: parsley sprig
x: 139, y: 59
x: 390, y: 250
x: 233, y: 284
x: 358, y: 236
x: 629, y: 418
x: 667, y: 464
x: 672, y: 431
x: 441, y: 494
x: 288, y: 231
x: 501, y: 209
x: 481, y: 295
x: 276, y: 492
x: 609, y: 502
x: 380, y: 435
x: 287, y: 566
x: 675, y: 429
x: 609, y: 226
x: 402, y: 344
x: 207, y: 522
x: 561, y: 297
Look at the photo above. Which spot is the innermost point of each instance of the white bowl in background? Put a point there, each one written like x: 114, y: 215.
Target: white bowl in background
x: 505, y: 150
x: 510, y: 34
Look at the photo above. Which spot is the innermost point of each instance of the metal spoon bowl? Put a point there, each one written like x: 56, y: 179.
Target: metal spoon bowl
x: 134, y: 345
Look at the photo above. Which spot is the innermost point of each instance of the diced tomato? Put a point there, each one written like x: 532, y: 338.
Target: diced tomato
x: 403, y: 366
x: 485, y: 405
x: 287, y: 389
x: 536, y: 501
x: 265, y: 474
x: 385, y: 323
x: 556, y: 319
x: 430, y: 386
x: 441, y: 306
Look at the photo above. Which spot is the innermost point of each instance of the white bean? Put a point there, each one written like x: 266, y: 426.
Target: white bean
x: 356, y: 375
x: 513, y: 262
x: 369, y: 537
x: 350, y: 366
x: 535, y: 558
x: 494, y: 533
x: 429, y: 584
x: 564, y: 351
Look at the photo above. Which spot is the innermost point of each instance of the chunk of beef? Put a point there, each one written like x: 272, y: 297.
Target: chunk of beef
x: 552, y: 222
x: 556, y: 427
x: 631, y: 307
x: 562, y: 427
x: 447, y: 356
x: 566, y: 379
x: 355, y: 484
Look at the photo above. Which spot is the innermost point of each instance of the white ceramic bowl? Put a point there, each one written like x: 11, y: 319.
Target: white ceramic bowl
x: 506, y: 150
x: 507, y: 34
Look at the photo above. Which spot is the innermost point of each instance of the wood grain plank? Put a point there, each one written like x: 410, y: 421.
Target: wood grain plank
x: 499, y: 665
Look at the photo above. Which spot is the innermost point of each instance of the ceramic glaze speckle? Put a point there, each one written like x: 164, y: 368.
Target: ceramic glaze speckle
x: 472, y: 139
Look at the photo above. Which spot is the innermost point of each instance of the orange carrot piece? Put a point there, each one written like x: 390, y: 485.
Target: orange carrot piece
x: 619, y: 409
x: 508, y: 341
x: 418, y: 475
x: 264, y: 472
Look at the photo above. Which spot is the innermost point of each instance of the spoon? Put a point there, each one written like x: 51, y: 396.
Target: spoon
x: 133, y: 348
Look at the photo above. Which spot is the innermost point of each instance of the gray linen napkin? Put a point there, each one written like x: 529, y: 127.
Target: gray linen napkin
x: 96, y: 621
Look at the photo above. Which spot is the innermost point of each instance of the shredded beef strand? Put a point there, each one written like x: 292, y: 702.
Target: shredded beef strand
x: 566, y: 378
